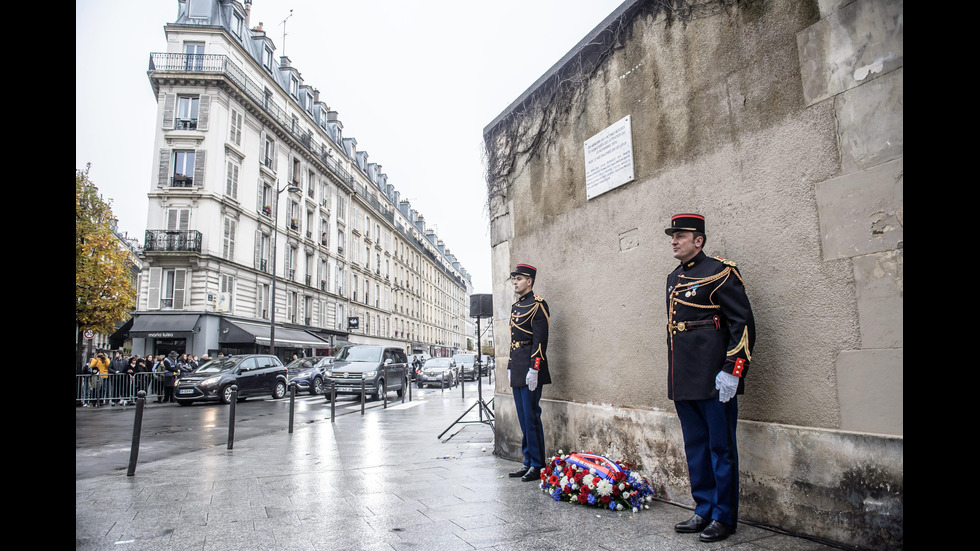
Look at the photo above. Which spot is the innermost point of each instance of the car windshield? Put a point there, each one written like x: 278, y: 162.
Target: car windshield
x: 300, y: 364
x: 437, y: 362
x: 216, y: 366
x: 360, y: 354
x: 464, y: 358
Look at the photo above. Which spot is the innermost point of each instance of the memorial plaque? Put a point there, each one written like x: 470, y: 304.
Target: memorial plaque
x: 609, y: 158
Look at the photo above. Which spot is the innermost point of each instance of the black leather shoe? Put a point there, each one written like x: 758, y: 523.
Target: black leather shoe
x: 519, y: 472
x: 534, y: 473
x: 716, y: 531
x: 692, y: 525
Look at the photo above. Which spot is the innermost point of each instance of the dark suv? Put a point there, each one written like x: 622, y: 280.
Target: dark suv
x: 382, y: 368
x: 255, y: 374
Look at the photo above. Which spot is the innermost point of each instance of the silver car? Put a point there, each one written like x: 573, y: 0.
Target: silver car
x: 377, y: 369
x: 438, y: 371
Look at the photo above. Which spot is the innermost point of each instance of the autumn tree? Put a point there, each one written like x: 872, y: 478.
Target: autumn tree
x: 104, y: 292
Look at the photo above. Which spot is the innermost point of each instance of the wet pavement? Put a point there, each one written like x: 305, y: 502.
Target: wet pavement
x: 384, y: 481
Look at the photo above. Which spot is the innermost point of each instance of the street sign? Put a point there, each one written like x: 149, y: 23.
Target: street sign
x: 89, y: 333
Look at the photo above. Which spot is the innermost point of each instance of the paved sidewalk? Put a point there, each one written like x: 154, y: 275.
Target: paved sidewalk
x: 380, y: 481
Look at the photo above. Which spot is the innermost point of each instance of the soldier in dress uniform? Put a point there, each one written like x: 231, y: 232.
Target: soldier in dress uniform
x: 710, y: 334
x: 528, y: 368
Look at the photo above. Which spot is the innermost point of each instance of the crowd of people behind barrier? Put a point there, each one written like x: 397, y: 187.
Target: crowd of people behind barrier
x: 105, y: 382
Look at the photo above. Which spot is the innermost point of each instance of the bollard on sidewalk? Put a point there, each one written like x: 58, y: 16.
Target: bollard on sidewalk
x: 231, y: 416
x: 137, y: 429
x: 292, y: 404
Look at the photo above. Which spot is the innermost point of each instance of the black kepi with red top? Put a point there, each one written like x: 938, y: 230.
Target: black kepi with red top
x: 525, y: 270
x: 686, y: 222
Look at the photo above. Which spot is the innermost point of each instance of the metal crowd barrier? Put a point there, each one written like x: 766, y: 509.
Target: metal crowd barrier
x: 117, y: 388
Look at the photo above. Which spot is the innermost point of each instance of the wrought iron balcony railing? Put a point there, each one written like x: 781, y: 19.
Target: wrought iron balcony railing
x: 172, y: 241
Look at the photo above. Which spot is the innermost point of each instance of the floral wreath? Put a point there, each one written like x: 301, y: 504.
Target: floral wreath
x: 590, y: 479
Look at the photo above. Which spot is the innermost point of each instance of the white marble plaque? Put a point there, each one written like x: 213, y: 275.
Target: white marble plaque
x: 609, y: 158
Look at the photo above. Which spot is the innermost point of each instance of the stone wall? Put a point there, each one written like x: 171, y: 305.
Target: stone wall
x: 781, y: 122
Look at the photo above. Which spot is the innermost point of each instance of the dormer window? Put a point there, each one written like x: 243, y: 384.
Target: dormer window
x: 267, y: 59
x: 294, y: 86
x: 237, y: 24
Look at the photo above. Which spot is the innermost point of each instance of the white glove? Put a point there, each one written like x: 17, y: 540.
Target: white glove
x: 508, y: 376
x: 727, y: 384
x: 532, y: 379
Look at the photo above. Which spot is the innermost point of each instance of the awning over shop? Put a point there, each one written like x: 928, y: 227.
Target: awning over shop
x: 164, y: 326
x: 120, y: 335
x: 241, y: 332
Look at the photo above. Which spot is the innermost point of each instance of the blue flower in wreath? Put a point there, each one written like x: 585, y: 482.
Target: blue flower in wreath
x: 612, y: 505
x: 556, y: 493
x: 591, y: 499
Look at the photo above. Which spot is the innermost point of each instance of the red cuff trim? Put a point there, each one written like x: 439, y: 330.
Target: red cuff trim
x: 537, y: 363
x: 739, y: 367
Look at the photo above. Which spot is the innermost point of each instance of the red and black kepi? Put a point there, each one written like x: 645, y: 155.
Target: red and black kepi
x: 525, y: 270
x: 686, y: 222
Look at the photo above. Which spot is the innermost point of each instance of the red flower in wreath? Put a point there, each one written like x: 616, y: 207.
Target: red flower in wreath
x: 553, y: 480
x: 604, y: 499
x: 583, y: 498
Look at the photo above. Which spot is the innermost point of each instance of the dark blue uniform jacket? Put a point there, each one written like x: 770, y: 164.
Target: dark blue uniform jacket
x: 529, y: 319
x: 710, y: 327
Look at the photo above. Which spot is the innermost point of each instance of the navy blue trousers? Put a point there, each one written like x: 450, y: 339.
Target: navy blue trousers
x: 529, y: 416
x: 712, y: 456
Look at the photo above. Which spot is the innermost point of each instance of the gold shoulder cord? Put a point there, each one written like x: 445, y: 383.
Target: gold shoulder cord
x: 513, y: 319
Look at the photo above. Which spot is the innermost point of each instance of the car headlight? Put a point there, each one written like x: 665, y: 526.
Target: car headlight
x: 210, y: 382
x: 370, y: 374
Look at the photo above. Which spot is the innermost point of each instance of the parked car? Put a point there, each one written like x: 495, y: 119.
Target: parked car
x: 306, y: 373
x: 467, y: 366
x: 383, y: 369
x: 255, y: 374
x: 441, y: 371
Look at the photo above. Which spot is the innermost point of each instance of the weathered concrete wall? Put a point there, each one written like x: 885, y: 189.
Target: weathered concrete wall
x: 781, y: 122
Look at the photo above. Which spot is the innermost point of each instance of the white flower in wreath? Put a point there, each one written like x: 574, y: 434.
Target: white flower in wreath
x: 587, y: 479
x: 604, y: 488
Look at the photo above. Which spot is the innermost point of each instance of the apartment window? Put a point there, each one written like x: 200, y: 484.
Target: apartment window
x: 183, y: 169
x: 324, y: 236
x: 341, y: 206
x: 268, y: 152
x: 264, y: 246
x: 293, y: 215
x: 262, y: 301
x: 226, y: 289
x: 194, y: 56
x: 187, y: 112
x: 309, y: 224
x: 291, y: 300
x: 291, y: 264
x: 265, y: 201
x: 340, y: 317
x: 340, y: 241
x: 310, y: 183
x: 235, y: 127
x: 340, y: 280
x: 228, y: 243
x: 231, y: 179
x: 354, y: 288
x: 296, y: 173
x: 172, y: 289
x: 178, y: 219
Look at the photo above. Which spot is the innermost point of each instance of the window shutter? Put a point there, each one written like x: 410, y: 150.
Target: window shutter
x: 229, y: 242
x: 164, y: 174
x: 231, y: 182
x: 169, y: 100
x: 258, y: 245
x: 153, y: 295
x: 203, y: 110
x: 180, y: 288
x: 199, y: 158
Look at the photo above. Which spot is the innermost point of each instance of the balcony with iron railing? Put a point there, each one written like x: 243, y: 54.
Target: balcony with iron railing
x: 221, y: 66
x: 172, y: 241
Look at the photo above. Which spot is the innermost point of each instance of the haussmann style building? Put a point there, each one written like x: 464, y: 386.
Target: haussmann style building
x: 263, y: 214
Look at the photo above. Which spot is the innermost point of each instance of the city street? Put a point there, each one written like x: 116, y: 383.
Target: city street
x: 104, y: 436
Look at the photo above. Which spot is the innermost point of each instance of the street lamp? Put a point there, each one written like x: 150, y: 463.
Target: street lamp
x: 275, y: 234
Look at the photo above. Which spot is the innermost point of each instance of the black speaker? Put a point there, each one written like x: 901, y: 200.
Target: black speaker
x: 481, y: 306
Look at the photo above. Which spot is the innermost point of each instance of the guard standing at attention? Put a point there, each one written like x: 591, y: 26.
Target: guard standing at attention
x: 710, y: 334
x: 528, y: 368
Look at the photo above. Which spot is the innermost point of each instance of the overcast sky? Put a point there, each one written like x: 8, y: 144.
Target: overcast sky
x: 415, y: 82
